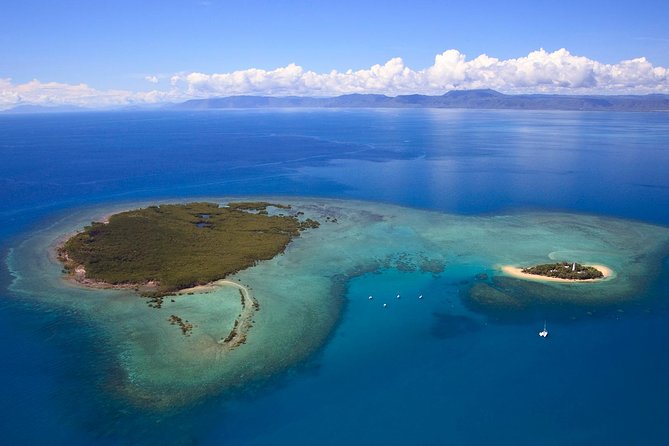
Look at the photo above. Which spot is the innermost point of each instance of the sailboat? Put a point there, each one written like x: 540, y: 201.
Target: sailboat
x: 543, y: 333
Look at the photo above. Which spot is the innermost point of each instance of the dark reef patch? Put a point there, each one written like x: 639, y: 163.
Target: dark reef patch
x: 446, y: 326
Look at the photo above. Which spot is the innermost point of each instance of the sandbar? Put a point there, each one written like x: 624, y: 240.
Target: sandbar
x: 517, y: 272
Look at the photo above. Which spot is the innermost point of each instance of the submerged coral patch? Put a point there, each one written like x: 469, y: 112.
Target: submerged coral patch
x: 446, y: 326
x: 300, y: 292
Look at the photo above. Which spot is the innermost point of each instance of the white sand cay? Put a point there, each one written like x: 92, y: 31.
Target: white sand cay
x: 517, y: 272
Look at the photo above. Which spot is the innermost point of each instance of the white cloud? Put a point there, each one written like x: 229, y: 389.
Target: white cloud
x: 57, y: 94
x: 538, y: 72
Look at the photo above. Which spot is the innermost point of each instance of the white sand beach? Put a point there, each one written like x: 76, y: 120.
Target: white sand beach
x: 517, y: 272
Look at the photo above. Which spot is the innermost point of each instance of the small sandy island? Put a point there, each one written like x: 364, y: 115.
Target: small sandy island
x: 517, y: 272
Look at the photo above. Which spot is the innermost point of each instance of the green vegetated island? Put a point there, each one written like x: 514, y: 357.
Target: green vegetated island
x: 161, y: 250
x: 565, y: 270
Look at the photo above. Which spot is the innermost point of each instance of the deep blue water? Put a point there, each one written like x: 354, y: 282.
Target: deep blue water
x: 602, y: 381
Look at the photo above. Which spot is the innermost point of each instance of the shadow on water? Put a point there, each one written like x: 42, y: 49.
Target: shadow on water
x: 447, y: 326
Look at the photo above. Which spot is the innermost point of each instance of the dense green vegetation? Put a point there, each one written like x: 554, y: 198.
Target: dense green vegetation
x: 255, y: 205
x: 565, y: 270
x: 180, y: 245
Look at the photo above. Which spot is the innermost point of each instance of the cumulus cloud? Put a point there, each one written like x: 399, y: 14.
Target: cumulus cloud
x: 53, y: 94
x: 538, y: 72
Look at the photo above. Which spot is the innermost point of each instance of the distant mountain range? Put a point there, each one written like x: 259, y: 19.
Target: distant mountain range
x: 472, y: 99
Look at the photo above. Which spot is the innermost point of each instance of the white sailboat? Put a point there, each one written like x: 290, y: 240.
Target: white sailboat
x: 544, y: 333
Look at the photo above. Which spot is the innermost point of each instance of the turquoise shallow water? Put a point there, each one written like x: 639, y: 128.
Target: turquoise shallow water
x: 436, y: 370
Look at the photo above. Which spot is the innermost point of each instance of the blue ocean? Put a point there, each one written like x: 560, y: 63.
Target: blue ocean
x: 434, y: 373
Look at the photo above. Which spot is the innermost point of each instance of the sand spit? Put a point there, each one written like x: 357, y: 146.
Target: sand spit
x: 244, y: 321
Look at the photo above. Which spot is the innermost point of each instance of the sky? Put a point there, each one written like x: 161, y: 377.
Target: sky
x: 110, y: 53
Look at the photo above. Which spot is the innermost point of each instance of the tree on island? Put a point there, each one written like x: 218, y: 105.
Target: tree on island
x: 565, y: 270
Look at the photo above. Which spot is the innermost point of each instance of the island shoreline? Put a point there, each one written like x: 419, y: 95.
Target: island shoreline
x: 517, y: 272
x: 243, y: 323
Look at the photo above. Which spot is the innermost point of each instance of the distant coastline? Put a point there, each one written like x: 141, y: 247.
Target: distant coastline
x: 461, y: 99
x: 484, y: 99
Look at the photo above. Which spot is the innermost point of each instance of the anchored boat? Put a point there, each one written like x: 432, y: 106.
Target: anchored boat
x: 544, y: 333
